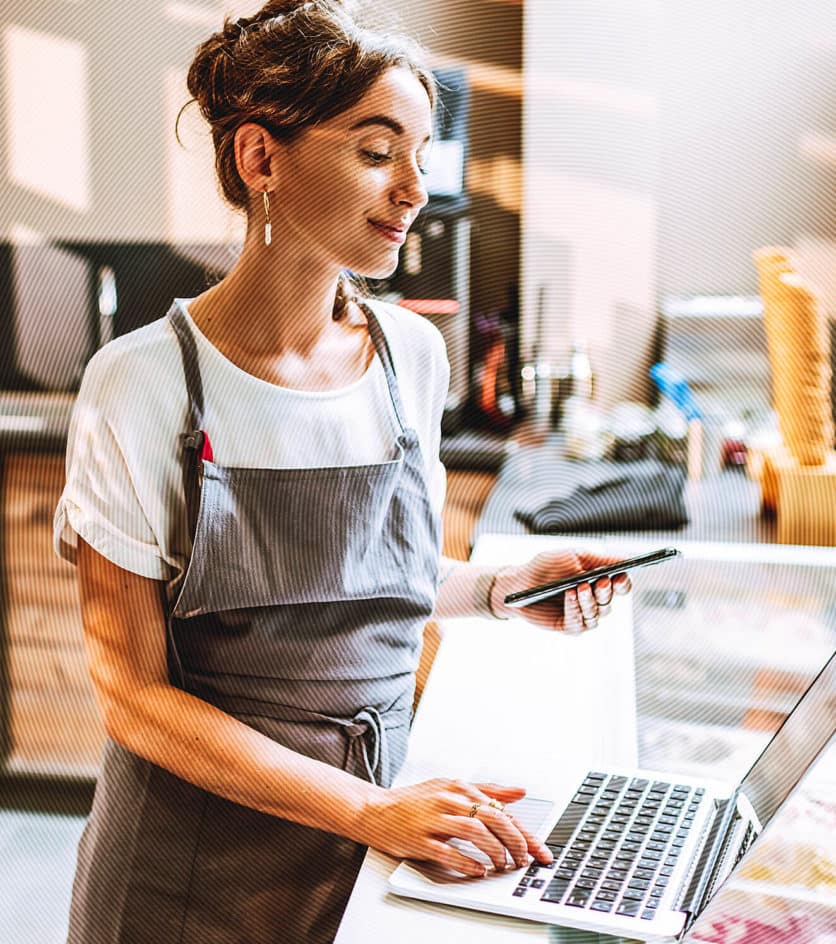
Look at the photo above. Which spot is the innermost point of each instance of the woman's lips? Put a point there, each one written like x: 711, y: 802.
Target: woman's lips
x: 390, y: 232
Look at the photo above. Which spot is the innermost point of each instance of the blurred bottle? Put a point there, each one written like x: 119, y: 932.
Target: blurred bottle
x: 580, y: 379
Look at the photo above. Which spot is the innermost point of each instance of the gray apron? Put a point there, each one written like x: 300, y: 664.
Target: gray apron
x: 300, y: 613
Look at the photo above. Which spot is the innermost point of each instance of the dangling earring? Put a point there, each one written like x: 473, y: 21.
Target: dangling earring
x: 268, y: 229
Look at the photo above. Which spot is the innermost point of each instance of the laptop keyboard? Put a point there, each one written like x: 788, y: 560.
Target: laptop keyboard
x: 615, y: 846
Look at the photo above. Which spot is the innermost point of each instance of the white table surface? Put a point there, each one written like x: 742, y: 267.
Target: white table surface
x: 481, y: 718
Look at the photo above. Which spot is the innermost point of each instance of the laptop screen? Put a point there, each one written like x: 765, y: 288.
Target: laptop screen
x: 796, y: 744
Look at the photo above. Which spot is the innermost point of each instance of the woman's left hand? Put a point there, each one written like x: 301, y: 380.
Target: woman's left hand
x: 572, y: 611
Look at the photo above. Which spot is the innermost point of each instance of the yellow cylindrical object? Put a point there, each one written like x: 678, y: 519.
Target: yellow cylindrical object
x: 800, y: 368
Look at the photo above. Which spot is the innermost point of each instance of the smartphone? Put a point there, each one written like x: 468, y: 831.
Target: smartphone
x: 546, y: 590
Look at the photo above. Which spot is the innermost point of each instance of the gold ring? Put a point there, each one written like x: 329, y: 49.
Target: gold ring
x: 497, y: 805
x: 474, y: 809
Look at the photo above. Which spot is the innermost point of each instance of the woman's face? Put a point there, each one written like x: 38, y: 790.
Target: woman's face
x: 349, y: 189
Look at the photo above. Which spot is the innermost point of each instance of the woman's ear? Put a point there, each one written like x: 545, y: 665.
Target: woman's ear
x: 255, y: 149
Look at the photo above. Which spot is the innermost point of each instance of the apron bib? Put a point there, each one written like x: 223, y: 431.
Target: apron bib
x: 301, y: 614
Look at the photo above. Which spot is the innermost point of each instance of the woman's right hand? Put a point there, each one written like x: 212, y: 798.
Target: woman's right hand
x: 416, y: 822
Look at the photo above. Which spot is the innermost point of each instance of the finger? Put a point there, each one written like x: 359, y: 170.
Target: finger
x: 539, y: 850
x: 451, y: 858
x: 572, y: 615
x: 503, y: 827
x: 621, y: 583
x: 500, y: 792
x: 602, y: 590
x: 474, y: 830
x: 589, y: 608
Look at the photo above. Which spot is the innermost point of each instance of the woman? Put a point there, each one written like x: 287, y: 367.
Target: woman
x: 253, y: 501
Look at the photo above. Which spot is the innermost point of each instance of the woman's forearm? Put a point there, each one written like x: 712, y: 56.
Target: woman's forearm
x: 214, y: 751
x: 468, y: 590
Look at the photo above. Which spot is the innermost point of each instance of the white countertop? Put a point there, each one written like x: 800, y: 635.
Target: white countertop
x: 507, y: 703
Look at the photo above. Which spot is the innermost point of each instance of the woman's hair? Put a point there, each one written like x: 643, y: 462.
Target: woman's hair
x: 288, y: 67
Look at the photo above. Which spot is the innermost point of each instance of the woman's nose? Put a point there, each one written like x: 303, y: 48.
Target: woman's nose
x: 411, y: 189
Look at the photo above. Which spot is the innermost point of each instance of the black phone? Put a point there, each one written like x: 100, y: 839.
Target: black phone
x: 546, y: 590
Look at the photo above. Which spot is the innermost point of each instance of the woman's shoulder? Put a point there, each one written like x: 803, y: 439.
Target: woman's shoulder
x: 150, y: 346
x: 134, y: 368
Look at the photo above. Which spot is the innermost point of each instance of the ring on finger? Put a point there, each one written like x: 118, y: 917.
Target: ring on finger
x: 497, y: 805
x: 474, y: 809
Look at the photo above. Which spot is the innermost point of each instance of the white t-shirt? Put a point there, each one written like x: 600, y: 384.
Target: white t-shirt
x: 124, y: 490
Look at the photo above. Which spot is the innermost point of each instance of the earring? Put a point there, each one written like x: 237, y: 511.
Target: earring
x: 268, y: 229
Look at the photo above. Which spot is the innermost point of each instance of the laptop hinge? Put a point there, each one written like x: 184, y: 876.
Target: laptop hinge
x: 709, y: 861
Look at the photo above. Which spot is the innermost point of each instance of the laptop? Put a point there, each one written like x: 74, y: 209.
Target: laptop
x: 636, y: 853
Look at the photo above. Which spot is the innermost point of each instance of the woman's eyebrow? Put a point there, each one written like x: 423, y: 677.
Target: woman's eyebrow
x: 384, y: 120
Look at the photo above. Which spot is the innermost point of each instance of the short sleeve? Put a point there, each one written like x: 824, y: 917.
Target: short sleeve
x: 100, y: 501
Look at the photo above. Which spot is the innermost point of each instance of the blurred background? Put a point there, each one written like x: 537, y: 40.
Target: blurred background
x: 631, y: 231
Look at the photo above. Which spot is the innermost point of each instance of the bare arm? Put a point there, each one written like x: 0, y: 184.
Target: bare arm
x: 473, y: 590
x: 124, y: 626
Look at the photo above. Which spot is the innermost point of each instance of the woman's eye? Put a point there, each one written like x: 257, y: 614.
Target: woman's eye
x: 376, y: 157
x: 423, y: 171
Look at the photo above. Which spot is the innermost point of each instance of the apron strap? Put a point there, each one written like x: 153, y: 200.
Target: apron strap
x: 191, y: 367
x: 385, y: 354
x: 194, y: 439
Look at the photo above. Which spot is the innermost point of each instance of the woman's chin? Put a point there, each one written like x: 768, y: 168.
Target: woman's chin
x: 377, y: 268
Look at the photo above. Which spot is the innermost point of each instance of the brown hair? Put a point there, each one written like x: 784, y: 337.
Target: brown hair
x: 288, y: 67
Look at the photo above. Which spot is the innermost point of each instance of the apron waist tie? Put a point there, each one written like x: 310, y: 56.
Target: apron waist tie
x: 366, y: 730
x: 367, y: 725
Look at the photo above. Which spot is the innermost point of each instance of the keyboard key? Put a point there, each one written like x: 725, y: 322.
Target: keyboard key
x: 596, y: 775
x: 578, y: 899
x: 648, y: 915
x: 565, y: 873
x: 629, y: 908
x: 656, y: 846
x: 641, y: 883
x: 538, y: 883
x: 533, y: 870
x: 652, y: 904
x: 660, y: 785
x: 618, y: 875
x: 638, y: 784
x: 519, y: 892
x: 643, y: 873
x: 591, y: 873
x: 656, y: 892
x: 524, y: 882
x: 555, y: 890
x: 586, y: 884
x: 601, y: 904
x: 666, y: 870
x: 582, y: 798
x: 604, y: 894
x: 612, y: 886
x: 616, y: 783
x: 662, y: 881
x: 565, y: 826
x: 633, y: 894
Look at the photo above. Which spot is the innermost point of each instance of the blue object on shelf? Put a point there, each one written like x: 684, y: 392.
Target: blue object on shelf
x: 674, y: 386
